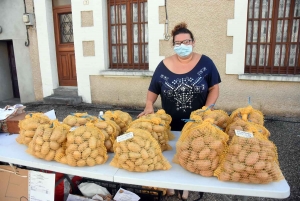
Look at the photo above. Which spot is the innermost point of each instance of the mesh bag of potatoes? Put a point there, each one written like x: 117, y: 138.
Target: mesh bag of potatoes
x: 246, y: 126
x: 84, y: 147
x: 220, y: 117
x: 110, y: 130
x: 140, y: 153
x: 48, y: 140
x: 250, y: 160
x: 122, y: 119
x: 29, y: 125
x: 154, y: 125
x: 200, y: 146
x: 78, y: 119
x: 165, y: 121
x: 247, y: 114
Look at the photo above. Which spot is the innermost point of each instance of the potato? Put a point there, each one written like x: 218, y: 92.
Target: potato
x: 77, y: 155
x: 130, y: 164
x: 54, y: 145
x: 90, y: 161
x: 215, y: 163
x: 50, y: 156
x: 79, y: 140
x: 108, y: 144
x: 81, y: 163
x: 133, y: 147
x: 86, y: 153
x: 235, y: 176
x: 92, y: 142
x: 86, y: 135
x: 203, y: 164
x: 147, y: 144
x: 213, y: 154
x: 144, y: 154
x: 151, y: 167
x: 206, y: 173
x: 45, y: 148
x: 29, y: 133
x: 259, y: 165
x: 94, y: 153
x: 101, y: 124
x: 158, y: 128
x: 99, y: 160
x: 228, y: 167
x: 204, y: 153
x: 39, y: 140
x: 242, y: 156
x: 139, y: 161
x: 190, y: 167
x: 134, y: 155
x: 197, y: 144
x: 239, y: 167
x: 83, y: 146
x: 148, y: 161
x: 193, y: 155
x: 224, y: 176
x: 252, y: 158
x: 217, y: 145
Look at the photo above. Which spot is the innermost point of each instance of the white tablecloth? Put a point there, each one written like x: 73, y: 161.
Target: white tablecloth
x: 176, y: 177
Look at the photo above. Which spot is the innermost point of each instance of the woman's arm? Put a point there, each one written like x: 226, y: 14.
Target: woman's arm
x: 213, y: 94
x: 151, y: 98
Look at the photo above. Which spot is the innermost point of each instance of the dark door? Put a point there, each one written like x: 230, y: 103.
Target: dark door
x: 63, y: 27
x: 13, y: 69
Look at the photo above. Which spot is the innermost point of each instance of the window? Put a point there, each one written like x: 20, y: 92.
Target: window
x: 128, y: 34
x: 273, y: 41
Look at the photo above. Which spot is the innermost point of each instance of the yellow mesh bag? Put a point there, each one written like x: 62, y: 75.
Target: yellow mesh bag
x: 200, y: 146
x: 85, y: 147
x: 153, y: 124
x: 29, y: 125
x: 247, y: 114
x: 122, y: 119
x: 78, y: 119
x: 110, y: 130
x: 48, y: 140
x: 220, y: 117
x: 141, y: 153
x: 250, y: 160
x: 242, y: 125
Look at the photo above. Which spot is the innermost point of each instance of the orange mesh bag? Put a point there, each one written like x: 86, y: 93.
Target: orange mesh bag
x: 122, y: 119
x: 48, y: 140
x: 85, y: 147
x: 200, y: 146
x: 78, y: 119
x: 110, y: 130
x: 29, y: 125
x: 242, y: 125
x: 247, y: 114
x: 153, y: 124
x: 220, y: 117
x: 141, y: 153
x: 250, y: 160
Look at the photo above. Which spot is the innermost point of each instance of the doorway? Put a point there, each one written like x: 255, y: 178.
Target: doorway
x: 13, y: 69
x: 63, y: 27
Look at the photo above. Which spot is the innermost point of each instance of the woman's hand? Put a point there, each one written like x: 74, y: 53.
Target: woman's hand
x: 147, y: 110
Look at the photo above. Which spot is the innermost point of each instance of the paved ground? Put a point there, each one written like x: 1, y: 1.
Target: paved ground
x: 285, y: 133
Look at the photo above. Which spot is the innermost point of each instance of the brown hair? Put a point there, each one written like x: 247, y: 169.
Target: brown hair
x: 181, y: 28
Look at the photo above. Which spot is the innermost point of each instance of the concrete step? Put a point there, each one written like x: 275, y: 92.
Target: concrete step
x: 58, y: 99
x: 66, y: 91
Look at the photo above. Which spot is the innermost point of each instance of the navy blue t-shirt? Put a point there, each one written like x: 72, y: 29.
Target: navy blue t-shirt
x: 183, y: 93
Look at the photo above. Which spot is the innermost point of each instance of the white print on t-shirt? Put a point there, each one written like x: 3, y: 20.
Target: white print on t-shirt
x: 183, y: 90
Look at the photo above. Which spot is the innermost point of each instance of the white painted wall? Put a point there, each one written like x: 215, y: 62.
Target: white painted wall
x: 46, y: 44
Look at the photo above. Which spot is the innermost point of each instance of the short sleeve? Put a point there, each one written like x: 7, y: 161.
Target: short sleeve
x: 155, y: 84
x: 213, y: 76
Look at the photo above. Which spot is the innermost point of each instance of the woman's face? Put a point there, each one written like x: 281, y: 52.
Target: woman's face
x: 183, y: 38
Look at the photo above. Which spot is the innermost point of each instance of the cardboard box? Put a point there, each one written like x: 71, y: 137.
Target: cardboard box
x: 12, y: 186
x: 13, y: 123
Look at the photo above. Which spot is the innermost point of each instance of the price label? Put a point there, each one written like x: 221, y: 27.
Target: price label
x: 243, y: 134
x: 124, y: 137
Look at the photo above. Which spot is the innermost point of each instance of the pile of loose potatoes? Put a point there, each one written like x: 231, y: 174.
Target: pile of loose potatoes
x: 85, y: 146
x: 29, y: 125
x: 152, y: 124
x: 122, y: 119
x: 110, y: 130
x: 250, y: 160
x: 48, y: 139
x: 200, y: 146
x: 141, y: 153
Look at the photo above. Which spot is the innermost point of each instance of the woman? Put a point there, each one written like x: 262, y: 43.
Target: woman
x: 186, y: 81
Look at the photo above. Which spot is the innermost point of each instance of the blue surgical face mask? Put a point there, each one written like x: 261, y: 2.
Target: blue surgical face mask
x: 183, y: 50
